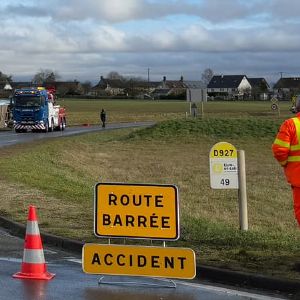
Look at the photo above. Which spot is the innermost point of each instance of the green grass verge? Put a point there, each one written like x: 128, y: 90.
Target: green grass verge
x: 59, y: 175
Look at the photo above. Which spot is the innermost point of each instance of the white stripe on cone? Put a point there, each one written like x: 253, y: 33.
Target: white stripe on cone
x: 32, y: 228
x: 33, y: 256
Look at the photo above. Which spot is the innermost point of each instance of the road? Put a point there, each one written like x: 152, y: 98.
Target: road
x: 70, y: 282
x: 8, y: 138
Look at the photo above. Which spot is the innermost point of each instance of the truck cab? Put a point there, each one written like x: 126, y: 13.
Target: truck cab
x: 34, y: 110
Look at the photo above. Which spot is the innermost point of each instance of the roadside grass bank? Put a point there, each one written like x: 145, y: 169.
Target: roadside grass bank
x: 58, y: 176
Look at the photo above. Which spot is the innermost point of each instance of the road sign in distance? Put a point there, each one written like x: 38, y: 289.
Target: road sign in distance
x: 168, y: 262
x: 136, y: 211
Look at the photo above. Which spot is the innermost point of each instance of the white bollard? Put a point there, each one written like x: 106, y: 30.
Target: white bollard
x: 242, y: 193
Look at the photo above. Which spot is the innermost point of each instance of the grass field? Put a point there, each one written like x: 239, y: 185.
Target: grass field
x: 58, y: 176
x: 87, y: 111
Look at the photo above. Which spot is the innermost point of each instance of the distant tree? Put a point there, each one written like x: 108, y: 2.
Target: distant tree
x: 207, y: 75
x: 87, y: 85
x: 5, y: 78
x: 45, y: 76
x: 114, y: 75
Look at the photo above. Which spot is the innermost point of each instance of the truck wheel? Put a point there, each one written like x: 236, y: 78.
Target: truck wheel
x: 46, y: 127
x: 51, y: 128
x: 61, y: 125
x: 64, y: 124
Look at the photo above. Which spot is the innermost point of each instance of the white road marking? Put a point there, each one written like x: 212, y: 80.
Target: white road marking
x: 75, y: 260
x: 18, y: 260
x: 229, y: 291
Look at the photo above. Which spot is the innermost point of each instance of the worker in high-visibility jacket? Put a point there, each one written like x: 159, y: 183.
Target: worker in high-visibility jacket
x: 286, y: 149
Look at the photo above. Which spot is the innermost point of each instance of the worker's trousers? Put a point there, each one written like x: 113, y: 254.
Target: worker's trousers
x: 296, y: 195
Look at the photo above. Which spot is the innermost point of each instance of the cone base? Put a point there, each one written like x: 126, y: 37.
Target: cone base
x: 43, y: 276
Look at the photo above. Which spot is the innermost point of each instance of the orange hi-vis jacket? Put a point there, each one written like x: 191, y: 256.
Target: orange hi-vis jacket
x: 286, y: 149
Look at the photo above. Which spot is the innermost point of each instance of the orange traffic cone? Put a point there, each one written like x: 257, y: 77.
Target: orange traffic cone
x: 33, y: 264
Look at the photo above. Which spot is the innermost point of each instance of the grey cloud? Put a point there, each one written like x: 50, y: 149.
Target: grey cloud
x: 22, y: 10
x: 283, y: 10
x: 116, y: 11
x: 75, y: 48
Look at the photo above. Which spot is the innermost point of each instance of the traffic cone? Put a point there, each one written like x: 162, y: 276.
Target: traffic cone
x: 33, y: 264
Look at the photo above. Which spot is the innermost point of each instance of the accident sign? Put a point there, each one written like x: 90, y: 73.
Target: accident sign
x: 168, y: 262
x: 223, y: 166
x: 136, y: 211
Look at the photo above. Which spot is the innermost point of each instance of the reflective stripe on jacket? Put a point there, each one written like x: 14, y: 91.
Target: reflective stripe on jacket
x: 286, y: 149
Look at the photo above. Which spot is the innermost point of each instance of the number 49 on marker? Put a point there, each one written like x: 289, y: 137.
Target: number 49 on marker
x: 225, y: 181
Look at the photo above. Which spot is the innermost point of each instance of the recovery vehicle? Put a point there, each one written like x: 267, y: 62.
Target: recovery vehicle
x: 34, y: 110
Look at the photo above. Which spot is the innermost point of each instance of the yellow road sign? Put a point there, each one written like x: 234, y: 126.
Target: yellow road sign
x: 167, y: 262
x: 136, y: 211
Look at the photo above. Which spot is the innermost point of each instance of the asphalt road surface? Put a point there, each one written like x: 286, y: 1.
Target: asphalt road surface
x: 8, y: 138
x: 71, y: 282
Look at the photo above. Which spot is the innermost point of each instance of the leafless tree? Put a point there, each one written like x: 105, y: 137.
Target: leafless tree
x: 5, y: 78
x: 114, y: 75
x: 207, y: 76
x: 45, y: 76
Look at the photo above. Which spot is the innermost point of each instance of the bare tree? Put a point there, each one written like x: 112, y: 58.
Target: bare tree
x: 5, y: 78
x: 114, y: 75
x: 207, y: 75
x: 45, y: 76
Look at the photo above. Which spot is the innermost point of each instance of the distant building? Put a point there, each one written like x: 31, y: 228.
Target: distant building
x: 5, y: 89
x: 229, y: 87
x: 66, y: 88
x: 109, y: 87
x: 285, y: 88
x: 22, y: 84
x: 260, y: 88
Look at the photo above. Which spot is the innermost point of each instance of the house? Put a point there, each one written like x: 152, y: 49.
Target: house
x: 109, y: 87
x: 259, y: 88
x: 287, y: 87
x: 132, y: 87
x: 22, y: 84
x: 62, y: 88
x: 229, y: 87
x: 172, y: 89
x: 141, y: 89
x: 66, y: 88
x: 5, y: 89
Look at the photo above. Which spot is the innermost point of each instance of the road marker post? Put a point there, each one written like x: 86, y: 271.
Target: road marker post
x: 228, y: 171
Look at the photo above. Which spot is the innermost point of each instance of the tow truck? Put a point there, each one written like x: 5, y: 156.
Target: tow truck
x: 34, y: 109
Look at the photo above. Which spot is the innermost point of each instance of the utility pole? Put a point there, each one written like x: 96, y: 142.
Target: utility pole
x: 148, y: 80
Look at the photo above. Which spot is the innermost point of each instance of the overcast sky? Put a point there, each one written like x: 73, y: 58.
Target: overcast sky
x: 84, y: 39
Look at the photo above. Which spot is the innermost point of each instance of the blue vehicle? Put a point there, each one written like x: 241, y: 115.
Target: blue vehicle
x: 34, y: 109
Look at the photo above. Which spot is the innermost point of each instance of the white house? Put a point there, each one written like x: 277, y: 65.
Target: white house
x: 229, y: 86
